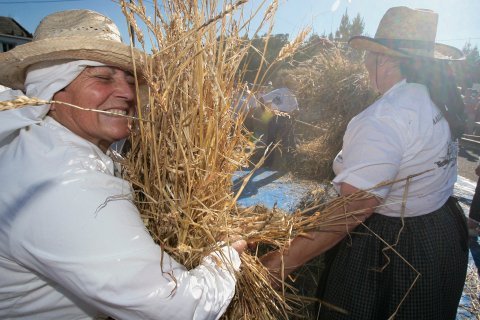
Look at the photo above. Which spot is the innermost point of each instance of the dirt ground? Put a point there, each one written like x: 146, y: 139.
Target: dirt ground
x: 467, y: 162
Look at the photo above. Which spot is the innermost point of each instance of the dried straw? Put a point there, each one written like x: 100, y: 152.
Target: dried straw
x: 182, y: 161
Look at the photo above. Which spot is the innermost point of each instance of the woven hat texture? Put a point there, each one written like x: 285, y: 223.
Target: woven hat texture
x: 75, y: 35
x: 406, y: 32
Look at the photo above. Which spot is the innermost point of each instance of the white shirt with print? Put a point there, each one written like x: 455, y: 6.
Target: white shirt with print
x: 400, y: 135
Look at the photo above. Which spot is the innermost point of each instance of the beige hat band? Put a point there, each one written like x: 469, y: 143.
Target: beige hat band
x: 406, y: 44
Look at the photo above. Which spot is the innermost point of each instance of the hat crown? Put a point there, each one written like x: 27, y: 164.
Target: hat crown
x: 404, y: 23
x: 407, y: 33
x: 77, y: 23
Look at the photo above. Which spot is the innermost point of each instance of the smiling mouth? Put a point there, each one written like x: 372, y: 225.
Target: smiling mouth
x: 118, y: 112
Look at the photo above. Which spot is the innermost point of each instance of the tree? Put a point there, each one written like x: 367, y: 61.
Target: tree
x: 468, y: 71
x: 348, y: 29
x: 343, y: 31
x: 357, y: 27
x: 257, y: 52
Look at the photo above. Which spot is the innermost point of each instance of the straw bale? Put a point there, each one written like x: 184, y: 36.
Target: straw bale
x: 331, y: 88
x: 182, y: 161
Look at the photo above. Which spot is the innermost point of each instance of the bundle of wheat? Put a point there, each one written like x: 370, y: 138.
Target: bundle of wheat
x: 183, y: 159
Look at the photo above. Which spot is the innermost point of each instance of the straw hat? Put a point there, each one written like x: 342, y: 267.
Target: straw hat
x: 406, y: 32
x: 74, y: 34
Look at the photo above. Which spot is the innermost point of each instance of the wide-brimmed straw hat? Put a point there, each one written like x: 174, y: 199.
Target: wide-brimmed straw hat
x: 73, y: 34
x: 406, y: 32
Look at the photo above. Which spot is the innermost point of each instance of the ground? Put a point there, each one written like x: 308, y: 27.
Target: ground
x: 467, y: 162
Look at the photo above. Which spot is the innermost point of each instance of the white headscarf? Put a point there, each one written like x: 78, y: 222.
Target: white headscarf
x: 42, y: 81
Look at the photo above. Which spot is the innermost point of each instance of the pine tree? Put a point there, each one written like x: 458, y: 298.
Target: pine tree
x: 357, y: 27
x: 343, y: 32
x: 348, y: 29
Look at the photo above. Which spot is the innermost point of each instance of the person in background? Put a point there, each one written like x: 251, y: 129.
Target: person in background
x: 476, y: 128
x: 411, y: 129
x: 72, y: 243
x: 281, y: 108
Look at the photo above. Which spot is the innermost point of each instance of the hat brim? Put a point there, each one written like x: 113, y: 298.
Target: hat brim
x: 441, y: 51
x: 15, y: 62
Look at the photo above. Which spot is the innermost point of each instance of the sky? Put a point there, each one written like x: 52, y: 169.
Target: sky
x: 459, y: 20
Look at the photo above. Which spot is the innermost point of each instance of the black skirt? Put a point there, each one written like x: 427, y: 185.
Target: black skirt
x: 369, y: 281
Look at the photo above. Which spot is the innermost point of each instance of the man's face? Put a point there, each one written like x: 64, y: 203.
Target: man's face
x: 102, y: 88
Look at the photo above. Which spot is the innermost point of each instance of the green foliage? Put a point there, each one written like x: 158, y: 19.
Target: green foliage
x: 357, y: 27
x: 469, y: 71
x: 262, y: 48
x: 343, y: 32
x: 348, y: 29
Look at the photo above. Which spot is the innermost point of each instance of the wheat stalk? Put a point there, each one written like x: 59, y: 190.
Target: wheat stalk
x: 24, y: 101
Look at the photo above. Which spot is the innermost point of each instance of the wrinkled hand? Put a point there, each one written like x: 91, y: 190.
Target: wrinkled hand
x: 273, y: 263
x: 239, y: 245
x: 235, y: 241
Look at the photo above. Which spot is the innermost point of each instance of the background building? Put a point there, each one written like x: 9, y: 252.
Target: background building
x: 12, y: 34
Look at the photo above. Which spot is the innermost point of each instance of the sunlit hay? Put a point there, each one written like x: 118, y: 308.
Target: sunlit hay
x: 472, y: 291
x: 331, y: 89
x: 181, y: 162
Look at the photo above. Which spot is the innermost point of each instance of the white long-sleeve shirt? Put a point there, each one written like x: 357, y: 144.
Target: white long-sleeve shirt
x: 72, y: 244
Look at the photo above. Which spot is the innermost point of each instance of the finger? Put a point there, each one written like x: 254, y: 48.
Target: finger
x: 239, y: 245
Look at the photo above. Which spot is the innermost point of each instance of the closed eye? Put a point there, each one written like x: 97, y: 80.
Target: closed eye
x: 106, y: 78
x: 130, y: 79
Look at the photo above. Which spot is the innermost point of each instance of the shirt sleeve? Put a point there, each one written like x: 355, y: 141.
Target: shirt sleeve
x: 372, y: 153
x: 85, y: 237
x: 14, y: 119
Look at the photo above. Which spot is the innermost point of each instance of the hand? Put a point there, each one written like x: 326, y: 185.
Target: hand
x: 272, y: 262
x: 233, y: 240
x: 473, y: 227
x: 239, y: 245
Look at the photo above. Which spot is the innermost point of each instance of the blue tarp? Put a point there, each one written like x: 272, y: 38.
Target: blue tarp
x: 270, y: 188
